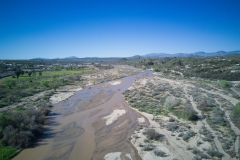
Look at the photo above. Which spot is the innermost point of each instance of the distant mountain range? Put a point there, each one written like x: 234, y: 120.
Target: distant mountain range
x: 71, y: 57
x: 155, y: 55
x: 196, y: 54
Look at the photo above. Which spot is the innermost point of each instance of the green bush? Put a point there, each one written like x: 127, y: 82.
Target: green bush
x: 189, y: 114
x: 20, y: 129
x: 156, y: 69
x: 224, y: 83
x: 236, y: 110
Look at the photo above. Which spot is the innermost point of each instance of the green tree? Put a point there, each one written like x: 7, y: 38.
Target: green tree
x: 18, y: 72
x: 54, y: 86
x: 29, y: 73
x: 40, y: 73
x: 34, y: 73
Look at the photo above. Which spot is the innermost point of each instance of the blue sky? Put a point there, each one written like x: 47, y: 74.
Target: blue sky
x: 116, y: 28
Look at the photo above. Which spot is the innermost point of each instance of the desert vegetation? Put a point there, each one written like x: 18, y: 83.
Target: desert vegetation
x: 216, y: 68
x: 201, y: 116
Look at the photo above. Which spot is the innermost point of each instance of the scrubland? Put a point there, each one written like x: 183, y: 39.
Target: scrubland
x: 189, y: 119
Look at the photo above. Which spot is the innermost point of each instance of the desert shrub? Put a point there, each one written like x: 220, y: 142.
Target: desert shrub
x: 172, y: 127
x: 189, y: 113
x: 141, y: 145
x: 135, y: 136
x: 199, y: 154
x: 208, y: 135
x: 206, y: 105
x: 152, y: 134
x: 171, y: 119
x: 195, y: 151
x: 155, y: 69
x: 146, y: 140
x: 226, y: 145
x: 189, y: 148
x: 224, y: 84
x: 188, y: 135
x: 217, y: 118
x: 214, y: 153
x: 147, y: 148
x: 181, y: 134
x: 181, y: 129
x: 199, y: 143
x: 159, y: 153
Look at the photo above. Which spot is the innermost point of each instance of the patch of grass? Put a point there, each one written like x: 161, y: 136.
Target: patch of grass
x: 7, y: 152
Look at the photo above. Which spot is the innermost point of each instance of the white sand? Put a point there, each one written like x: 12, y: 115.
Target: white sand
x: 113, y: 156
x: 60, y: 96
x: 114, y: 116
x: 139, y: 83
x: 141, y: 120
x: 115, y: 83
x: 129, y: 156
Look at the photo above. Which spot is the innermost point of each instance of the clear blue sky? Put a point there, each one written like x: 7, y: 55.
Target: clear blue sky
x: 116, y: 28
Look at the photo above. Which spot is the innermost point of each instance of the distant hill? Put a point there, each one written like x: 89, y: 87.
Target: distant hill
x: 198, y: 54
x: 151, y: 55
x: 71, y: 57
x: 135, y: 57
x: 40, y: 58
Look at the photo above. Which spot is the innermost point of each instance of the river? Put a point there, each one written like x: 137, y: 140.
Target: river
x: 90, y: 124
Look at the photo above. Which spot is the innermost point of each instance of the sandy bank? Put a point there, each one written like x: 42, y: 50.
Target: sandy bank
x: 114, y: 116
x: 63, y: 95
x: 114, y: 83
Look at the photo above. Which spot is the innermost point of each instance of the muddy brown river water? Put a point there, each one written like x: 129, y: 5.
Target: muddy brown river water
x: 89, y: 125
